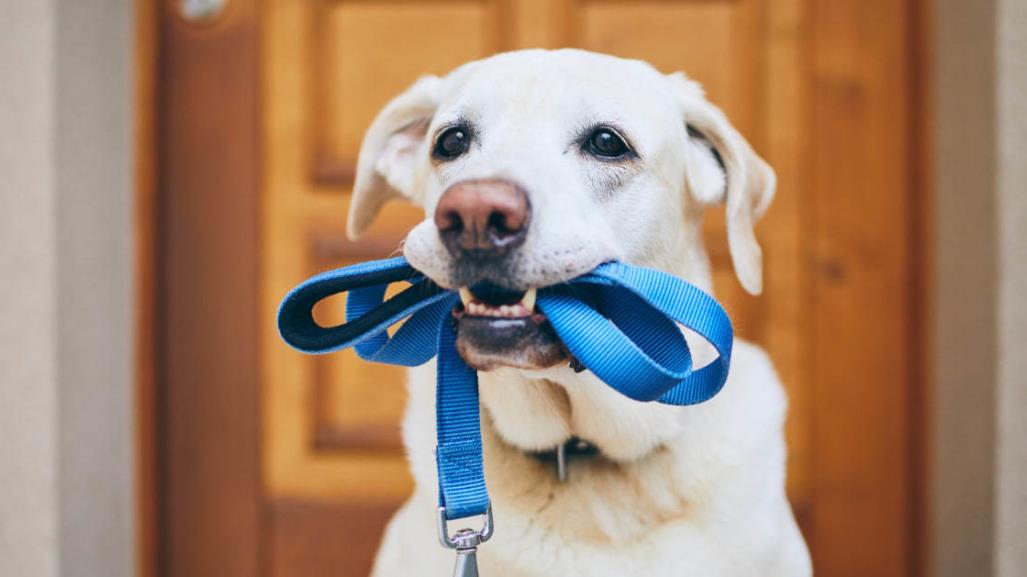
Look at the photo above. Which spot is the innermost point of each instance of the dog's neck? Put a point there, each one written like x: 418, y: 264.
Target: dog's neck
x: 530, y: 489
x: 531, y: 412
x: 560, y: 459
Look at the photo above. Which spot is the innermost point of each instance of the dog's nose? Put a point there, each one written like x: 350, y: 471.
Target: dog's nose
x: 483, y: 217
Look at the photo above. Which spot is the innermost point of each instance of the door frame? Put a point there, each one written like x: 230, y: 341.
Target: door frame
x: 197, y: 222
x: 181, y: 283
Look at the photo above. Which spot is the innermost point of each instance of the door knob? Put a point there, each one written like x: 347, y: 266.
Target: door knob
x: 201, y: 10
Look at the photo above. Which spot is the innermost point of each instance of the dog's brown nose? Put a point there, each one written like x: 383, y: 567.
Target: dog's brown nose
x: 482, y: 217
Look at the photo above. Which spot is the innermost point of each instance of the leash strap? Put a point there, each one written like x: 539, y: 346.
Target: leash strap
x: 619, y: 321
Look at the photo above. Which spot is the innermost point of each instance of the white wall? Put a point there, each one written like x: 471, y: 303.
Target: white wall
x: 1011, y: 433
x: 94, y: 296
x: 66, y: 492
x: 979, y: 468
x: 28, y: 291
x: 966, y: 332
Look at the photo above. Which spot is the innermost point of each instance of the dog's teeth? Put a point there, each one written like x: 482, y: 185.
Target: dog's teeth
x: 529, y: 299
x: 477, y: 308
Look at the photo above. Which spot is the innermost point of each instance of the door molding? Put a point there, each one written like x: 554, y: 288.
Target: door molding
x: 199, y: 220
x: 199, y: 223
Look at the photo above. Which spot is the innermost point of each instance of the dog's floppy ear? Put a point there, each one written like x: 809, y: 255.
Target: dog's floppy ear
x: 722, y: 167
x: 387, y: 166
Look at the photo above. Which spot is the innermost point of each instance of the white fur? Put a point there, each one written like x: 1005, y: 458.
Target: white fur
x: 681, y: 490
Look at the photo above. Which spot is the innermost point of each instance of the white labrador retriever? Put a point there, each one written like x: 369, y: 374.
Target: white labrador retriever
x: 533, y: 167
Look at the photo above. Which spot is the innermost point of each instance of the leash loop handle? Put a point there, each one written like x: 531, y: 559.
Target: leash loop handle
x: 368, y: 314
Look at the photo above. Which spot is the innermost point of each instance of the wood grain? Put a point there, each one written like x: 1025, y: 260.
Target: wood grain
x: 349, y: 83
x: 311, y: 450
x: 861, y: 335
x: 783, y: 313
x: 208, y: 266
x: 312, y: 539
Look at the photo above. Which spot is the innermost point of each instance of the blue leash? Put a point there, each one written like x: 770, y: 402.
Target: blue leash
x: 619, y: 321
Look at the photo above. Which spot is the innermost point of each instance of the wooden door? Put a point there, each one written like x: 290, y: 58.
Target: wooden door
x: 822, y: 89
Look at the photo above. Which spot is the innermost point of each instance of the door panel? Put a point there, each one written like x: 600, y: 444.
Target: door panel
x: 367, y: 52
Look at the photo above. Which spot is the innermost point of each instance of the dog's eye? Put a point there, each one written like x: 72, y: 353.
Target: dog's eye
x: 451, y: 143
x: 605, y: 143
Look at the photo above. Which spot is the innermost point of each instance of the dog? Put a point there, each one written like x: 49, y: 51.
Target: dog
x: 533, y: 167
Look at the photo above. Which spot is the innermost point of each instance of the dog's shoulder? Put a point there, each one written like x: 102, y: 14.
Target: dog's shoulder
x: 754, y: 377
x: 749, y: 412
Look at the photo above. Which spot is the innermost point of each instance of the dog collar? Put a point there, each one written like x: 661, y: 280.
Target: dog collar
x: 559, y: 457
x: 619, y: 321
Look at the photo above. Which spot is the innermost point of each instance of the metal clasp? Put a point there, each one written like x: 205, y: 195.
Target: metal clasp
x: 466, y: 542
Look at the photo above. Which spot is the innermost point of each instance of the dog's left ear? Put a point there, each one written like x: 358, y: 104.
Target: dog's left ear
x: 730, y: 172
x: 387, y: 166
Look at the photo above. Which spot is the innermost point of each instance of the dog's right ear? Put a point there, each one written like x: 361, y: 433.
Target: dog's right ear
x: 387, y: 166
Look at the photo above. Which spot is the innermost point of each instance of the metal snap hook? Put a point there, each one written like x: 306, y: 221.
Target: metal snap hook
x: 464, y: 538
x: 466, y: 542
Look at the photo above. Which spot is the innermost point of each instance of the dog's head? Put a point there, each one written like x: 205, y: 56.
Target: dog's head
x: 533, y: 167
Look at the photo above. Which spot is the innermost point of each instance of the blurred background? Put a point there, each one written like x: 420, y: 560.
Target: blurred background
x: 169, y: 169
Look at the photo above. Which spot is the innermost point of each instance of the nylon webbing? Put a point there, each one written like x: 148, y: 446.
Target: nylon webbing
x: 619, y: 321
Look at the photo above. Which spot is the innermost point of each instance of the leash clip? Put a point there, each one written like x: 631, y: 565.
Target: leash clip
x: 465, y: 542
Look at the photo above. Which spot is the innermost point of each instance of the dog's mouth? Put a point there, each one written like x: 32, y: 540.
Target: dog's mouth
x: 498, y: 327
